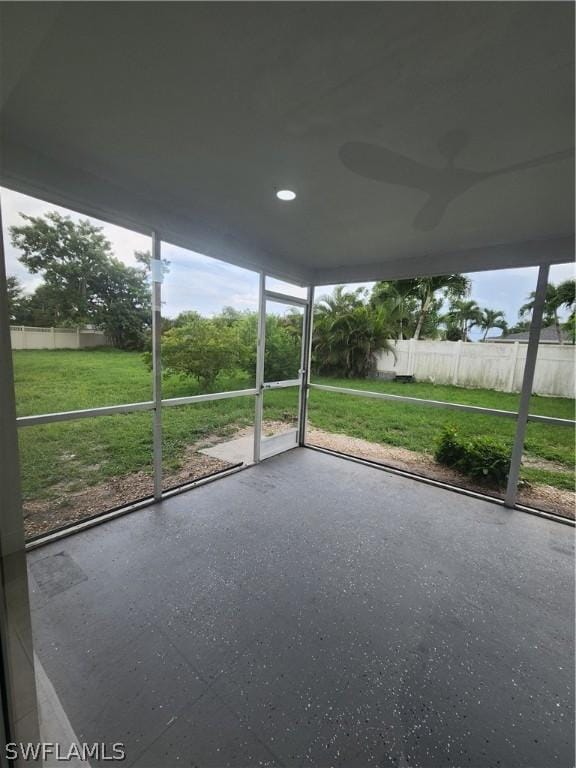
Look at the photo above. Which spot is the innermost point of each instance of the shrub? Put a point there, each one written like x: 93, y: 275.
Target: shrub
x: 448, y: 449
x: 481, y: 458
x: 199, y: 348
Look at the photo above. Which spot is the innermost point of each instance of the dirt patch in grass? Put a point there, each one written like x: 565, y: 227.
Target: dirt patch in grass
x: 269, y: 428
x: 536, y: 463
x: 545, y: 497
x: 65, y: 507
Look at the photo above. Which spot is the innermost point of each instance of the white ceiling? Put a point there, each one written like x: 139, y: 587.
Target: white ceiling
x: 419, y: 137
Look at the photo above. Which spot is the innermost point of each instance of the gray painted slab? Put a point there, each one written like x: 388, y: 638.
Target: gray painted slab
x: 311, y: 611
x: 237, y: 451
x: 240, y: 450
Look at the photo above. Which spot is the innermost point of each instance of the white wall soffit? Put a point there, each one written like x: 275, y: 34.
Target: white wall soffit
x: 30, y: 172
x: 556, y: 250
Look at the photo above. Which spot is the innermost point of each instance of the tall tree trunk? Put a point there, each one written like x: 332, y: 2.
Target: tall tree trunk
x: 485, y: 334
x: 422, y: 316
x: 558, y: 329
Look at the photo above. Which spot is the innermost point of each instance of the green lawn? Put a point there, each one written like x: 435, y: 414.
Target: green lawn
x: 89, y: 450
x: 416, y: 427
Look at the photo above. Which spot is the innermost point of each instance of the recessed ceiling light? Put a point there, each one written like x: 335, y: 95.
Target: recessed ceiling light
x: 285, y: 194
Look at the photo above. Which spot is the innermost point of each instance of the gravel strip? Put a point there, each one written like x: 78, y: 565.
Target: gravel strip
x: 545, y: 497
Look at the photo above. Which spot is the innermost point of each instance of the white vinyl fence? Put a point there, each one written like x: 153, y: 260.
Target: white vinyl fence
x: 27, y: 337
x: 474, y: 364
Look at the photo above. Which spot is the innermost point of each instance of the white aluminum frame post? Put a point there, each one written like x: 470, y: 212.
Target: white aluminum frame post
x: 527, y: 383
x: 260, y: 353
x: 306, y: 366
x: 156, y: 271
x: 19, y: 720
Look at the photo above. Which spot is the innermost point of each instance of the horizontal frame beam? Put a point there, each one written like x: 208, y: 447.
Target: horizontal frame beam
x: 442, y: 404
x: 86, y: 413
x: 281, y: 384
x: 111, y: 410
x: 148, y: 405
x: 206, y: 398
x: 282, y: 298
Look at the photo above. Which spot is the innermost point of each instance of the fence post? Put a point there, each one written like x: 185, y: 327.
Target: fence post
x: 411, y: 356
x: 513, y: 364
x: 23, y: 337
x: 456, y: 367
x: 77, y: 337
x: 53, y: 337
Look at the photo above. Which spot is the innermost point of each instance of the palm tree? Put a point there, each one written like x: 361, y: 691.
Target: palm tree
x: 396, y: 296
x: 426, y: 289
x: 463, y: 315
x: 556, y: 297
x: 348, y: 332
x: 567, y: 295
x: 492, y: 318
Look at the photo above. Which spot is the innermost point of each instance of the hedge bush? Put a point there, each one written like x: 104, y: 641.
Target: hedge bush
x: 481, y: 458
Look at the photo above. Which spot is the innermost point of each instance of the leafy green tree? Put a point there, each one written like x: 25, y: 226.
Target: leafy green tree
x: 15, y: 298
x: 426, y: 289
x: 567, y: 297
x: 520, y: 327
x: 567, y: 293
x: 83, y: 283
x: 70, y: 257
x: 397, y: 297
x: 492, y: 318
x: 199, y: 348
x: 41, y: 308
x: 556, y: 298
x: 123, y: 307
x: 348, y: 332
x: 204, y: 348
x: 463, y: 315
x: 282, y: 349
x: 452, y: 332
x: 422, y: 298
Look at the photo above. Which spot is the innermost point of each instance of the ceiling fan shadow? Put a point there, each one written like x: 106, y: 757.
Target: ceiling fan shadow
x: 443, y: 185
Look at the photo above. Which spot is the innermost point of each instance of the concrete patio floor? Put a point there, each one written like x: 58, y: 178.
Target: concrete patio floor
x: 312, y: 611
x: 240, y: 449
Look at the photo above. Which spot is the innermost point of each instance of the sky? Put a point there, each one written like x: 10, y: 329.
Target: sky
x: 197, y: 282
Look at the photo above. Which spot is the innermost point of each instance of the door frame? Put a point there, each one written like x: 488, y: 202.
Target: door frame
x: 303, y: 380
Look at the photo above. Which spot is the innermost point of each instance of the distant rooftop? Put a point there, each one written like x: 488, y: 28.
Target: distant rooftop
x: 548, y: 335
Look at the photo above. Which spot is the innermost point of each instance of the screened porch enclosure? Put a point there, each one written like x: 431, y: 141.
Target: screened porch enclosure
x: 219, y: 545
x: 78, y: 464
x: 313, y: 611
